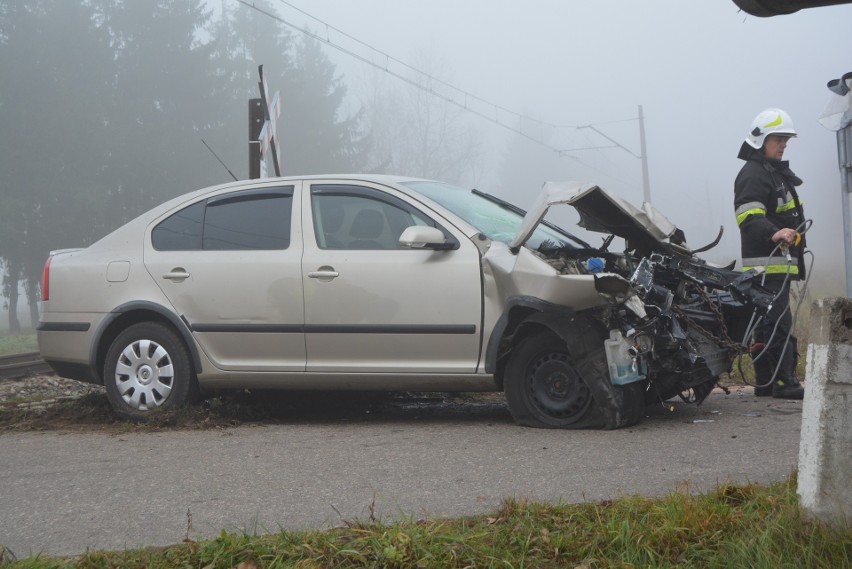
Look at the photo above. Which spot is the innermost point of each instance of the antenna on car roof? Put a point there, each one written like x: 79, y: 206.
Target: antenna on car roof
x: 219, y: 159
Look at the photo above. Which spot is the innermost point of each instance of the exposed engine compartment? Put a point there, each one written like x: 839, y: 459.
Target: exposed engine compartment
x: 676, y: 322
x: 680, y: 319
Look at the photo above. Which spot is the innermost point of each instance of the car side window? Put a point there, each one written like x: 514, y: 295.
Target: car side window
x: 180, y: 231
x: 353, y: 217
x: 247, y: 220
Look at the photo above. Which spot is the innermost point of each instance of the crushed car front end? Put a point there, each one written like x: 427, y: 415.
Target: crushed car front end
x: 638, y: 327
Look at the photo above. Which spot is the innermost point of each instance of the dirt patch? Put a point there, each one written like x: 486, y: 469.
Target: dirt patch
x: 48, y: 403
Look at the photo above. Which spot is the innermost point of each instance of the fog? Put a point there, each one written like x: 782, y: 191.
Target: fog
x: 702, y: 71
x: 516, y: 94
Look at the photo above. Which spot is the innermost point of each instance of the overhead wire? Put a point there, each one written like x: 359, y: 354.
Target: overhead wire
x: 428, y: 76
x: 431, y: 78
x: 397, y: 75
x: 614, y: 167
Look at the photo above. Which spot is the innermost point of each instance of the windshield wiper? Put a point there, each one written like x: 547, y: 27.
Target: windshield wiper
x: 515, y: 209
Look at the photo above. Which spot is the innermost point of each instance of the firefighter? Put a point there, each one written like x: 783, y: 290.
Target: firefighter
x: 770, y: 217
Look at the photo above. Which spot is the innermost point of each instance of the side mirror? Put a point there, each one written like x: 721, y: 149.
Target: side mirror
x: 424, y: 237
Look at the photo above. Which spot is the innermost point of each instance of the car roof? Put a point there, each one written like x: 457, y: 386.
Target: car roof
x: 269, y: 182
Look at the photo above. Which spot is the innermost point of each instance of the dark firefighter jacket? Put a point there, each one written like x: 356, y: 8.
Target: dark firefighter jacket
x: 765, y: 200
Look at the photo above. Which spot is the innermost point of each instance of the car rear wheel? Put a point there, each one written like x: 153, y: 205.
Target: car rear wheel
x: 148, y: 367
x: 543, y: 387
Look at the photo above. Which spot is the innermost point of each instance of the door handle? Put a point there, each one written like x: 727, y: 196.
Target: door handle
x: 178, y: 274
x: 324, y: 273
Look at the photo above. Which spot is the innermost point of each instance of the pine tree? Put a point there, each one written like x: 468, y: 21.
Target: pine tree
x: 52, y: 120
x: 107, y: 118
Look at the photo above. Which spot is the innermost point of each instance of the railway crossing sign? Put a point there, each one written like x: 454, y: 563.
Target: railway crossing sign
x: 263, y: 135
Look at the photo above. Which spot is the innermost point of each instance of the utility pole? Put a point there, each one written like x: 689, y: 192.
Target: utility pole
x: 646, y: 184
x: 838, y: 117
x: 844, y: 155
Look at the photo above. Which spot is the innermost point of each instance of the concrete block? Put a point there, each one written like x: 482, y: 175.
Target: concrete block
x: 825, y: 447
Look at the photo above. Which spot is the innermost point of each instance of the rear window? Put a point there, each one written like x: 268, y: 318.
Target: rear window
x: 254, y: 220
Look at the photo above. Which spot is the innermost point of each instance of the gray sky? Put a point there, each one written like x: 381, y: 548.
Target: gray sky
x: 702, y: 70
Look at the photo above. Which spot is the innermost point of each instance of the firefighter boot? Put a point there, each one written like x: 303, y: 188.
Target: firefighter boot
x: 788, y: 389
x: 787, y: 386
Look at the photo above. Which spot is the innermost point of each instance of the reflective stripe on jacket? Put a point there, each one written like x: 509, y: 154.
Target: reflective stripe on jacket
x: 773, y: 265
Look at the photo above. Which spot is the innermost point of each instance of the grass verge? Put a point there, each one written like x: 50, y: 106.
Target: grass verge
x: 733, y: 526
x: 17, y: 343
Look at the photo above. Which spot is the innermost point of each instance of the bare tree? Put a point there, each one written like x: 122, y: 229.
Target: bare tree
x: 416, y: 130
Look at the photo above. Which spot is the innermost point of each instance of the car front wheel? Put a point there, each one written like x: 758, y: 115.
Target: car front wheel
x: 543, y: 387
x: 148, y: 367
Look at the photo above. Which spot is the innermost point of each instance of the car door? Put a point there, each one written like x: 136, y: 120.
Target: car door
x: 231, y: 267
x: 373, y: 306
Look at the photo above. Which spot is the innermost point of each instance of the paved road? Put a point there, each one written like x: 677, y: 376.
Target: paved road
x: 63, y: 493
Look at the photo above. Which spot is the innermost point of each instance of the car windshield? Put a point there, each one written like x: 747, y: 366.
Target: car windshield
x: 496, y: 219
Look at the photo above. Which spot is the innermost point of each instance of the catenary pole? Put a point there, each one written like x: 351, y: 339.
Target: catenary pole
x: 646, y: 184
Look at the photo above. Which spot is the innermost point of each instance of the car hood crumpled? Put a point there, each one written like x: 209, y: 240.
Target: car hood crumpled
x: 644, y: 229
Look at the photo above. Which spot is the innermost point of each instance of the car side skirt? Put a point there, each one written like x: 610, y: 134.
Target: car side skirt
x: 352, y: 381
x: 337, y: 328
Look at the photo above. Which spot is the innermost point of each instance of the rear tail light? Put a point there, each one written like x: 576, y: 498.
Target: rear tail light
x: 45, y: 280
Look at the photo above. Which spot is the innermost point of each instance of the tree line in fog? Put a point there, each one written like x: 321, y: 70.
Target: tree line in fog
x: 104, y: 105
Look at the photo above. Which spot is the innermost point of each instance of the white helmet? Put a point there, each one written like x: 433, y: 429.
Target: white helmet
x: 770, y: 121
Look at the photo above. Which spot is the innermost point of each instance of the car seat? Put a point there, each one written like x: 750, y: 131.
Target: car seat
x: 331, y: 215
x: 365, y: 230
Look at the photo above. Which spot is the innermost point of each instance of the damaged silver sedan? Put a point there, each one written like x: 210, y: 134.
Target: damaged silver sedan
x: 392, y: 283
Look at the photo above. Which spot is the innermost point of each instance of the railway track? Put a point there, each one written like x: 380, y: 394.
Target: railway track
x: 16, y: 366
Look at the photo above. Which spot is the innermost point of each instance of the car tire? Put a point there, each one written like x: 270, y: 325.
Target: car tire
x: 543, y: 387
x: 147, y: 368
x: 634, y: 403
